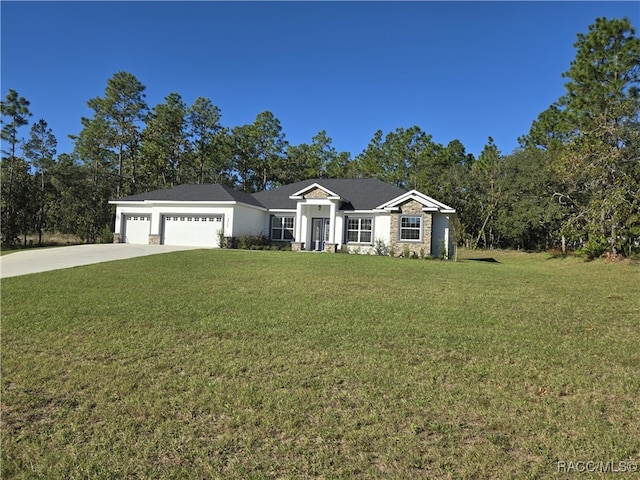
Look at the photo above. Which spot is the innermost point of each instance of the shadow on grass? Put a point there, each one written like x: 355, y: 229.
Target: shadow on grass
x: 486, y: 259
x: 559, y: 256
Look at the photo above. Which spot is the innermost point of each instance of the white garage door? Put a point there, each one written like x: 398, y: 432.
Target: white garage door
x: 193, y: 230
x: 136, y: 229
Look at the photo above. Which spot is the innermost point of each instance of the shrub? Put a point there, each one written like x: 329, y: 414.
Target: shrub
x: 380, y: 248
x: 106, y: 235
x: 594, y: 248
x: 253, y: 242
x: 256, y: 242
x: 442, y: 252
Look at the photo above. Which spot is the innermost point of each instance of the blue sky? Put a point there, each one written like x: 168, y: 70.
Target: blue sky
x: 458, y: 70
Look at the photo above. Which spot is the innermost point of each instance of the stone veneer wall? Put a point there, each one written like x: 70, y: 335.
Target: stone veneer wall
x: 330, y: 247
x: 424, y: 247
x: 316, y: 193
x: 117, y: 238
x: 154, y: 239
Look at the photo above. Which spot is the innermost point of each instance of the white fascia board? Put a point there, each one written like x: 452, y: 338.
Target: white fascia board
x: 183, y: 203
x: 191, y: 202
x: 248, y: 205
x: 430, y: 204
x: 394, y: 201
x: 440, y: 206
x: 300, y: 193
x: 281, y: 210
x: 120, y: 202
x: 371, y: 212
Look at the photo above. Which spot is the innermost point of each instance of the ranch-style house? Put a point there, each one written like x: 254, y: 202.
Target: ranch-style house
x: 314, y: 215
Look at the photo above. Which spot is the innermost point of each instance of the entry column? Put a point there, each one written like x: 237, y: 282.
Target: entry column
x: 298, y: 233
x: 332, y: 222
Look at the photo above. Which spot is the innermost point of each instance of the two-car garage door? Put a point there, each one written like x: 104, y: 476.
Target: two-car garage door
x: 201, y: 230
x: 189, y: 230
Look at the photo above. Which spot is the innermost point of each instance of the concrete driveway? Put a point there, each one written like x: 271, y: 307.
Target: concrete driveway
x: 42, y: 259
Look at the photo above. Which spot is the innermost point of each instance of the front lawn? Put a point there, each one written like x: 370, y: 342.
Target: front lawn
x: 239, y: 364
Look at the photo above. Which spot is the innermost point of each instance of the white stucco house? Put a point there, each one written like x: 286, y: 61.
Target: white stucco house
x: 314, y: 215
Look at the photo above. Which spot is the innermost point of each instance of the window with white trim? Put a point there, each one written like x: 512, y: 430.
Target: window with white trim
x: 282, y: 228
x: 359, y: 230
x: 411, y: 228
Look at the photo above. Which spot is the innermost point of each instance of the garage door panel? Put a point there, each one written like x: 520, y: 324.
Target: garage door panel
x: 136, y: 229
x: 192, y: 230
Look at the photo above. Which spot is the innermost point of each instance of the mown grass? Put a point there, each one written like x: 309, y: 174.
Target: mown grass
x: 232, y: 364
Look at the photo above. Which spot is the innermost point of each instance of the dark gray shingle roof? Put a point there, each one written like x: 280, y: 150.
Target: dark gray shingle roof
x: 209, y: 192
x: 360, y: 193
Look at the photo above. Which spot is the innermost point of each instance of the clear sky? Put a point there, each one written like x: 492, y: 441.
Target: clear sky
x: 458, y: 70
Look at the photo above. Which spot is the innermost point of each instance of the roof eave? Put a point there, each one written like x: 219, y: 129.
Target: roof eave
x: 186, y: 202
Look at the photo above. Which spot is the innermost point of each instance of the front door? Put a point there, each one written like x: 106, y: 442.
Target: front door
x: 319, y: 233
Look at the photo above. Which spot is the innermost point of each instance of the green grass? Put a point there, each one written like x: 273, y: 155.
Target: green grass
x: 232, y: 364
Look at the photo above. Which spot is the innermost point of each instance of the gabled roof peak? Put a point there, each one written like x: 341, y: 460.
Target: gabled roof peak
x: 353, y: 193
x: 429, y: 204
x: 301, y: 193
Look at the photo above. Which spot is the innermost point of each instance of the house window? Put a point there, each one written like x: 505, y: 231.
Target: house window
x: 282, y: 228
x: 359, y: 230
x: 411, y: 228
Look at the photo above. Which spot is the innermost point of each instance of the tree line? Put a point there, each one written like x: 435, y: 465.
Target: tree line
x: 572, y: 184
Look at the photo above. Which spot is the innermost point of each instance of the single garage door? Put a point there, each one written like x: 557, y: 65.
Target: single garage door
x: 136, y: 229
x: 192, y: 230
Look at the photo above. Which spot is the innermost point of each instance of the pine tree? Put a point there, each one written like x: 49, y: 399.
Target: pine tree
x: 15, y: 171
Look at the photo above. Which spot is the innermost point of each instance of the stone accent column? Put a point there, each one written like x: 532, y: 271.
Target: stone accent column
x: 297, y: 246
x: 394, y: 235
x: 330, y: 247
x: 426, y: 234
x: 154, y: 239
x: 117, y: 238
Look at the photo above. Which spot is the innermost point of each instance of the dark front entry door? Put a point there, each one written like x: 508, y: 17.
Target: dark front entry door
x: 319, y: 233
